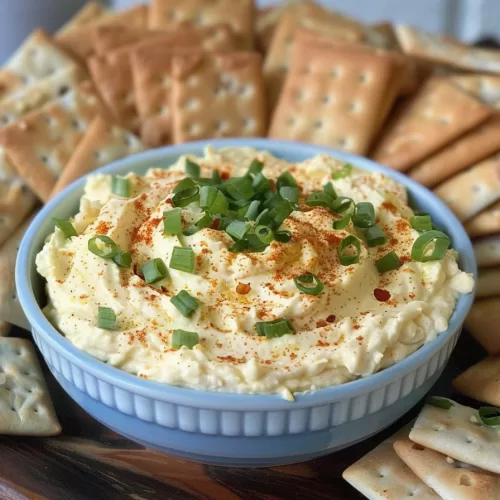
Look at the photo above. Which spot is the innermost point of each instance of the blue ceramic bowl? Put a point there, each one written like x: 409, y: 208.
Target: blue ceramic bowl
x: 236, y: 429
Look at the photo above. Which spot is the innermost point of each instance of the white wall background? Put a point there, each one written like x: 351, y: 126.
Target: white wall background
x: 469, y: 20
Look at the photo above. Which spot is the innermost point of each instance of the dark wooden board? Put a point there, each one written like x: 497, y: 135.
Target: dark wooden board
x: 88, y: 461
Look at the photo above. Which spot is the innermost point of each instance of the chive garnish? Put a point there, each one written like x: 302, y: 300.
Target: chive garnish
x: 255, y: 167
x: 66, y: 227
x: 347, y: 243
x: 423, y: 245
x: 213, y: 200
x: 342, y: 223
x: 183, y: 338
x: 375, y: 236
x: 238, y: 229
x: 388, y: 262
x: 344, y: 172
x: 185, y: 303
x: 183, y: 259
x: 319, y: 199
x: 123, y: 259
x: 443, y: 403
x: 191, y: 168
x: 204, y: 221
x: 120, y: 186
x: 309, y: 283
x: 172, y: 222
x: 290, y: 194
x: 421, y: 223
x: 264, y: 233
x: 106, y: 318
x: 274, y: 329
x: 286, y: 180
x: 186, y: 196
x: 154, y: 270
x: 364, y: 215
x: 103, y: 246
x: 489, y: 415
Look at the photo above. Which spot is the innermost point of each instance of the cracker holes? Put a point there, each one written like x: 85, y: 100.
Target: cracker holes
x: 63, y: 89
x: 163, y: 110
x: 354, y: 107
x: 4, y: 119
x: 326, y: 99
x: 192, y: 81
x: 437, y: 428
x: 283, y: 68
x: 465, y: 480
x: 76, y: 124
x: 221, y: 126
x: 44, y: 159
x: 317, y: 124
x: 288, y: 40
x: 469, y: 440
x: 444, y: 120
x: 191, y: 104
x: 291, y: 121
x: 342, y: 142
x: 300, y: 95
x: 334, y: 73
x: 172, y: 15
x: 476, y: 188
x: 198, y: 19
x: 193, y: 129
x: 165, y: 81
x: 363, y: 78
x: 249, y: 124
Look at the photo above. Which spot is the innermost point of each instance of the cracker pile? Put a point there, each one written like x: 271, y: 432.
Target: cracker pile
x: 110, y: 84
x: 449, y: 452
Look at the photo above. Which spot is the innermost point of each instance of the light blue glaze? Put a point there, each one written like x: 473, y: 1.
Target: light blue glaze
x: 343, y: 412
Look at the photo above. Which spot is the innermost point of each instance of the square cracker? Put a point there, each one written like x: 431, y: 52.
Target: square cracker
x: 16, y: 199
x: 488, y: 283
x: 37, y: 58
x: 459, y: 434
x: 482, y: 323
x: 464, y: 152
x: 335, y: 95
x: 102, y: 143
x: 112, y: 77
x: 471, y: 191
x: 9, y: 305
x: 28, y: 99
x: 486, y: 88
x: 436, y: 115
x: 108, y: 38
x: 481, y: 381
x: 450, y: 479
x: 151, y: 62
x: 485, y: 223
x: 311, y: 16
x: 89, y: 13
x: 238, y: 14
x: 382, y: 475
x: 40, y: 144
x: 447, y: 51
x: 25, y: 405
x: 487, y: 251
x: 218, y: 94
x: 78, y: 41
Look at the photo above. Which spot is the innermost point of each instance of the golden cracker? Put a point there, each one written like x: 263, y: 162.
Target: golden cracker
x: 484, y: 223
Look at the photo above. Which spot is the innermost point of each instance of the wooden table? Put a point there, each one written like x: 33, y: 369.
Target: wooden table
x: 88, y: 461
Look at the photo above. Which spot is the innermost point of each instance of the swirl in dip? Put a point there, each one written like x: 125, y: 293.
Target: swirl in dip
x: 362, y: 321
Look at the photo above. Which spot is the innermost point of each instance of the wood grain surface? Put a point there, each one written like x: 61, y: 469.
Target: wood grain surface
x: 89, y: 462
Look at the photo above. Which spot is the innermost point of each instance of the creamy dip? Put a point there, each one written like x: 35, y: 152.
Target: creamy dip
x: 361, y: 322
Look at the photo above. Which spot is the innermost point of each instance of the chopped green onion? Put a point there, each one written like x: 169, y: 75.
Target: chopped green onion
x: 261, y: 183
x: 283, y: 236
x: 308, y: 279
x: 364, y: 215
x: 238, y: 246
x: 341, y: 204
x: 191, y: 168
x: 253, y: 210
x: 262, y: 216
x: 489, y: 415
x: 272, y: 200
x: 123, y: 259
x: 388, y: 262
x: 204, y: 221
x: 423, y: 244
x: 186, y: 196
x: 240, y: 188
x: 346, y: 170
x: 183, y: 338
x: 106, y: 318
x: 186, y: 183
x: 66, y: 227
x: 255, y: 167
x: 274, y: 329
x: 278, y: 214
x: 375, y: 236
x: 290, y: 193
x: 213, y: 200
x: 216, y: 177
x: 265, y: 234
x: 329, y: 190
x: 172, y: 222
x: 342, y: 223
x: 254, y: 244
x: 103, y: 246
x: 238, y: 229
x: 120, y: 186
x: 285, y: 180
x: 183, y: 259
x: 319, y: 199
x: 186, y: 303
x: 344, y: 258
x: 154, y: 270
x: 443, y: 403
x: 421, y: 223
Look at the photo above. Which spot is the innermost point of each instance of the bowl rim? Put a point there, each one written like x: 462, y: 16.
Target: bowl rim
x: 227, y: 400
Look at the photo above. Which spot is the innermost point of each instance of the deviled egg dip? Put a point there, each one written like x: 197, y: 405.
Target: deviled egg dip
x: 240, y: 272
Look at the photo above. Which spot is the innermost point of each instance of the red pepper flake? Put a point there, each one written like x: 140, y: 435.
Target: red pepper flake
x: 243, y: 288
x: 356, y: 327
x: 411, y: 295
x: 231, y: 359
x: 215, y: 224
x: 389, y: 206
x: 320, y: 323
x: 219, y: 345
x: 267, y: 361
x: 322, y: 344
x: 381, y: 295
x: 331, y: 318
x: 359, y: 338
x: 224, y: 176
x: 169, y: 201
x: 293, y: 355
